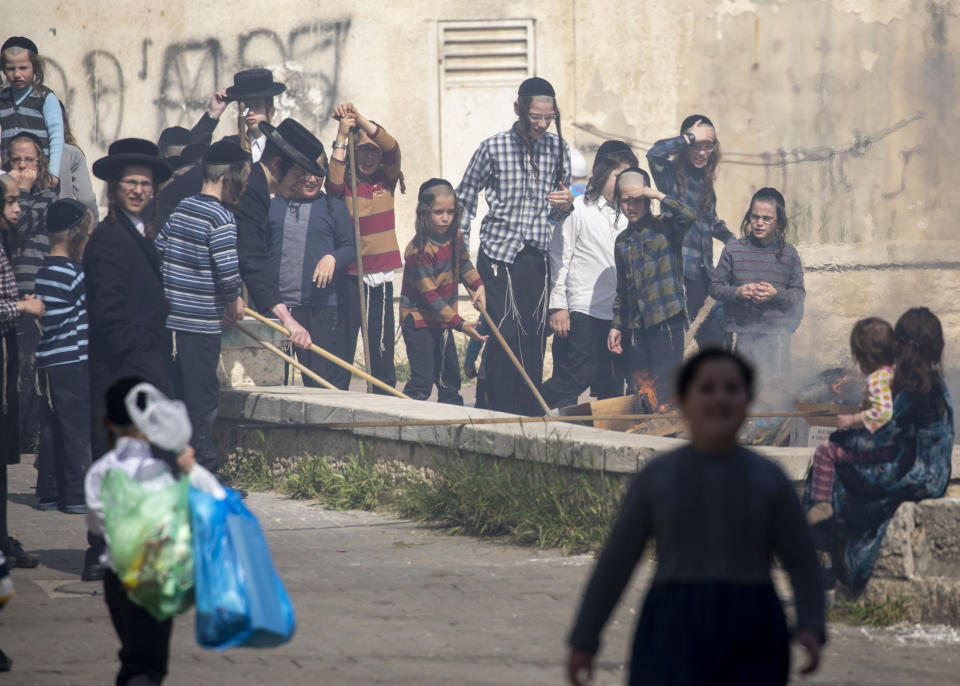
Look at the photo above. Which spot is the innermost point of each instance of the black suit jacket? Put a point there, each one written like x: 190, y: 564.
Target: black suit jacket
x: 253, y: 249
x: 127, y: 313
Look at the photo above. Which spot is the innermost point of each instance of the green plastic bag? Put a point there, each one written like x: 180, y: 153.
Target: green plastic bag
x: 150, y: 542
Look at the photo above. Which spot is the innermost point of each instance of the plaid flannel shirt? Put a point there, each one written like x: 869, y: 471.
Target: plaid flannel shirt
x: 649, y: 287
x: 519, y: 213
x: 698, y: 242
x: 9, y: 309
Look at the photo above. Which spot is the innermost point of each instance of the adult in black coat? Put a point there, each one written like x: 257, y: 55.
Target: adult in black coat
x: 288, y: 159
x: 126, y: 305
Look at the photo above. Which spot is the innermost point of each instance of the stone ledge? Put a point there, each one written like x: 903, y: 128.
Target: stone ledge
x: 569, y: 444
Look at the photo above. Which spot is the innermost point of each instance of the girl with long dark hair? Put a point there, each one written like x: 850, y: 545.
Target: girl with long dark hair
x: 759, y: 280
x: 685, y: 167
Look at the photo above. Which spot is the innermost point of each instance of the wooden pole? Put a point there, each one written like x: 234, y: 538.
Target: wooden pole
x: 288, y: 358
x: 513, y: 358
x: 330, y: 356
x: 352, y: 143
x: 531, y: 420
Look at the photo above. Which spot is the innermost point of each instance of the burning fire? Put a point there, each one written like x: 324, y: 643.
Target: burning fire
x: 645, y: 383
x: 837, y: 388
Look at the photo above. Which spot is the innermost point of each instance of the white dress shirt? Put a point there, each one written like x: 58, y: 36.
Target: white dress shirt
x: 137, y: 222
x: 256, y: 147
x: 581, y: 259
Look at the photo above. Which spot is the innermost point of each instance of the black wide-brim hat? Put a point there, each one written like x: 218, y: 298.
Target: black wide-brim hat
x: 253, y: 84
x: 128, y: 152
x: 296, y: 143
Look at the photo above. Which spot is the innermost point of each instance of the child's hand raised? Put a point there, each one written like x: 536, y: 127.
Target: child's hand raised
x: 470, y: 329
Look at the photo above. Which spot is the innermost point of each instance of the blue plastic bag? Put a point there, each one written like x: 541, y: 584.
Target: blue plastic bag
x: 240, y: 598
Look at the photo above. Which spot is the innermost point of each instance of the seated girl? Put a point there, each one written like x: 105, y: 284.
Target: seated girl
x: 919, y: 438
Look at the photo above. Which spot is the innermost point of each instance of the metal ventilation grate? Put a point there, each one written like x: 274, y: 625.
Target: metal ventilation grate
x: 484, y: 52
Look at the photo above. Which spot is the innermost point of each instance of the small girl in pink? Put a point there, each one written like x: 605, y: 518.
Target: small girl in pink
x: 874, y: 348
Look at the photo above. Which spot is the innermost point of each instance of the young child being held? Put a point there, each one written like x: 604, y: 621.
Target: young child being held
x: 436, y: 261
x: 61, y: 363
x: 873, y: 345
x: 26, y: 104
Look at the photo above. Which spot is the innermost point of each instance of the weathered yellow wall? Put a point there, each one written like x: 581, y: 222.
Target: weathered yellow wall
x: 847, y: 106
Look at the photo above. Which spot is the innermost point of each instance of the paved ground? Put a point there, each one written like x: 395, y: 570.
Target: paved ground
x: 381, y: 601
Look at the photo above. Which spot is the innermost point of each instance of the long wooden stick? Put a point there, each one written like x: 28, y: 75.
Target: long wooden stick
x: 520, y: 420
x: 364, y: 324
x: 513, y: 358
x: 287, y: 358
x: 330, y: 356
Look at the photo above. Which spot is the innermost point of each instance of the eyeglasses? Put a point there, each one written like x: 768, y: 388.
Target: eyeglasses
x: 761, y: 219
x: 24, y: 160
x: 536, y: 118
x: 131, y: 185
x: 704, y: 147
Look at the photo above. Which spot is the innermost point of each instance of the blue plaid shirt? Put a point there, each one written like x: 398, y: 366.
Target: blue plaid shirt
x: 649, y: 290
x: 664, y: 157
x: 517, y: 194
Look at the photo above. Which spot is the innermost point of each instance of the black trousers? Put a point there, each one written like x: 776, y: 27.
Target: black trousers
x: 381, y: 327
x: 196, y: 356
x: 516, y: 301
x: 653, y: 355
x: 433, y: 359
x: 65, y: 439
x: 711, y: 331
x: 9, y: 420
x: 322, y: 323
x: 144, y: 642
x: 581, y: 360
x: 30, y: 412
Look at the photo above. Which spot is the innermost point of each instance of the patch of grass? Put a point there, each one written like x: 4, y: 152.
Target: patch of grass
x: 348, y: 485
x: 403, y: 371
x: 887, y: 613
x: 533, y: 504
x: 250, y: 470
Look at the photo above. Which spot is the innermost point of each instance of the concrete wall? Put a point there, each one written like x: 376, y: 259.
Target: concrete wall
x: 847, y: 106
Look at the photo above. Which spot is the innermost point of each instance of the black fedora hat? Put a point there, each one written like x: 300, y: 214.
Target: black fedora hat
x: 252, y: 84
x: 296, y: 143
x: 131, y: 151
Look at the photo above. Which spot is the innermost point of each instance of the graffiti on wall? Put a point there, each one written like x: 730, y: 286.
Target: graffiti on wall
x: 187, y: 73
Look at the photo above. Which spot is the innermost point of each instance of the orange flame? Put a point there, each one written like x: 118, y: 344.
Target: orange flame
x: 836, y: 387
x: 645, y: 383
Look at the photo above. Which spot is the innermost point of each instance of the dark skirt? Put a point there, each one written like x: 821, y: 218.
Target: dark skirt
x: 711, y: 634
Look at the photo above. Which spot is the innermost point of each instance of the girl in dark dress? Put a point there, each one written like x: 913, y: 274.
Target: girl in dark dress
x: 918, y: 441
x: 718, y: 514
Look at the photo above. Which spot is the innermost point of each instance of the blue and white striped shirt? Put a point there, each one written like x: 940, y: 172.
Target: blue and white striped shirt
x: 198, y: 253
x: 60, y: 286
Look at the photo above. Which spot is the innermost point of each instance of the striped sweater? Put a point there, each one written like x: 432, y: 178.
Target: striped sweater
x: 378, y: 235
x: 61, y: 287
x: 198, y: 254
x: 745, y: 261
x: 29, y: 244
x: 430, y: 282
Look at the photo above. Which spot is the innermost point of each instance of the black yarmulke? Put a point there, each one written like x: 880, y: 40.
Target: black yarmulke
x: 536, y: 86
x: 174, y: 135
x: 20, y: 42
x: 225, y: 152
x: 610, y: 147
x: 63, y: 214
x: 432, y: 183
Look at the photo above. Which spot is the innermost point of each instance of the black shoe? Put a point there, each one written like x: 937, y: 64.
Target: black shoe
x: 17, y: 556
x: 6, y: 664
x: 93, y: 572
x: 46, y: 504
x: 92, y: 569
